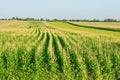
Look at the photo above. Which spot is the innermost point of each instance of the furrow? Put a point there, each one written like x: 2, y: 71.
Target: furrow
x: 45, y: 54
x: 74, y: 61
x: 59, y: 58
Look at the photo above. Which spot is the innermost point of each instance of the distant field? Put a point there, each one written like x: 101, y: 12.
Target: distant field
x: 40, y: 50
x: 86, y: 31
x: 100, y: 24
x: 109, y: 26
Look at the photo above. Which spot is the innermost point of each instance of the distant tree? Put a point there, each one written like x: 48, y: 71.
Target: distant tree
x: 29, y: 19
x: 55, y: 20
x: 85, y: 20
x: 64, y: 20
x: 110, y: 20
x: 47, y: 19
x: 4, y: 19
x: 95, y: 20
x: 13, y: 18
x: 41, y: 19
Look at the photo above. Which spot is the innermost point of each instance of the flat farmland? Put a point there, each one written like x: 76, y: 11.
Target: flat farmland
x: 110, y: 26
x: 40, y: 50
x: 101, y: 24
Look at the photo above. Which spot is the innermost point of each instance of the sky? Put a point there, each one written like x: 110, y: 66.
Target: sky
x: 60, y: 9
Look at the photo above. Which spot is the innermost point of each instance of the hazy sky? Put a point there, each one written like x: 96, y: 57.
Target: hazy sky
x: 70, y: 9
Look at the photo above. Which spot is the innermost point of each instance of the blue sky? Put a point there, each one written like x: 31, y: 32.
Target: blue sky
x: 61, y: 9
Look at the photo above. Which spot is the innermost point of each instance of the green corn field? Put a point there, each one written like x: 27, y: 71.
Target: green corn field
x: 41, y: 50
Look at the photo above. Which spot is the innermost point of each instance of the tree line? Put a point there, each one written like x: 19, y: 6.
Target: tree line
x: 80, y: 20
